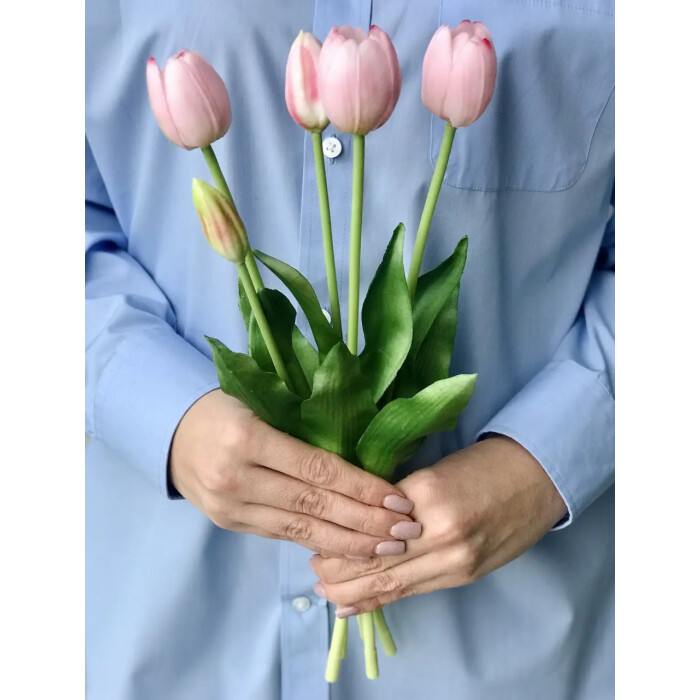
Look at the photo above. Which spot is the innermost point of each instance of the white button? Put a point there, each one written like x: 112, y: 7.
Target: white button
x: 301, y: 604
x: 326, y: 314
x: 332, y: 147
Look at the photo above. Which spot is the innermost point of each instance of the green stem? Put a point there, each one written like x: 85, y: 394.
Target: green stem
x: 264, y: 326
x: 336, y: 652
x: 221, y: 185
x: 384, y: 633
x: 358, y: 176
x: 327, y: 231
x: 429, y: 208
x: 371, y: 666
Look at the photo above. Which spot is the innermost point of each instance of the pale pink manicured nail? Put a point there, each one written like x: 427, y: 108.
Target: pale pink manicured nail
x: 346, y: 612
x: 319, y: 590
x: 390, y: 547
x: 398, y: 504
x: 406, y: 531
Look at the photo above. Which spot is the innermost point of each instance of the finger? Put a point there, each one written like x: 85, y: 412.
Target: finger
x: 317, y: 535
x: 375, y: 589
x: 271, y: 488
x: 317, y: 467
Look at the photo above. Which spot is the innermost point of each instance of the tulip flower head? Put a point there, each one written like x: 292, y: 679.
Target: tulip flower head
x: 189, y: 100
x: 220, y: 221
x: 301, y: 86
x: 459, y: 72
x: 359, y: 78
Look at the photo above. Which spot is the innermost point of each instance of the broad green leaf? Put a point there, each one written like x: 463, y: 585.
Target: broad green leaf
x: 386, y: 319
x: 306, y: 354
x: 324, y: 333
x: 432, y: 361
x: 434, y: 290
x: 263, y: 392
x: 244, y: 304
x: 280, y: 315
x: 396, y: 430
x: 340, y: 407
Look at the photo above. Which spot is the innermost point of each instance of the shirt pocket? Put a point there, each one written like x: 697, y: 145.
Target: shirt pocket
x: 555, y: 75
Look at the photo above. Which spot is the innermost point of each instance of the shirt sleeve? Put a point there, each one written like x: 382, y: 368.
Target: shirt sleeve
x: 565, y: 416
x: 141, y: 376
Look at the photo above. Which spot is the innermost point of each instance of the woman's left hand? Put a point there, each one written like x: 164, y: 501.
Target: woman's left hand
x: 480, y: 508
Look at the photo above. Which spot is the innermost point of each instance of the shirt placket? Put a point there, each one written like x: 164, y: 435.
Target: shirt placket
x: 306, y: 619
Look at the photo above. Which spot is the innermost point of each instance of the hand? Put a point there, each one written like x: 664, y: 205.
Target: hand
x: 247, y: 476
x: 480, y: 508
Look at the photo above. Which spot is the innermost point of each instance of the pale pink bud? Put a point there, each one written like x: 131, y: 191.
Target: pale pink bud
x: 189, y: 99
x: 301, y: 87
x: 220, y: 221
x: 359, y: 78
x: 459, y: 72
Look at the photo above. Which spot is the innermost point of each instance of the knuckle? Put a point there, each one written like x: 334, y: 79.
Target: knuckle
x: 298, y: 530
x: 220, y: 516
x: 465, y: 561
x: 220, y: 477
x: 387, y: 581
x: 239, y: 437
x: 311, y: 502
x: 319, y: 468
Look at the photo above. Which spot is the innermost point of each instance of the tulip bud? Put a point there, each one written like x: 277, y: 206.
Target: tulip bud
x: 459, y: 72
x: 359, y: 78
x: 189, y: 100
x: 220, y: 222
x: 301, y: 88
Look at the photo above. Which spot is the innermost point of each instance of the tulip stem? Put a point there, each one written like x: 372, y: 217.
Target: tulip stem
x: 264, y: 326
x: 367, y: 625
x: 337, y: 650
x: 429, y: 208
x: 383, y: 632
x: 326, y: 229
x: 358, y: 176
x: 221, y: 185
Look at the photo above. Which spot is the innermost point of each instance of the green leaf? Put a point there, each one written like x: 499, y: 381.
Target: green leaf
x: 306, y: 354
x: 395, y: 432
x: 244, y: 304
x: 263, y: 392
x: 386, y: 319
x: 280, y: 315
x: 434, y: 290
x: 324, y: 333
x: 340, y: 406
x: 432, y: 361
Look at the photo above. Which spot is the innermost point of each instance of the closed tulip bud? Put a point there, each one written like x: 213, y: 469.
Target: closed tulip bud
x: 459, y: 72
x: 220, y: 222
x: 359, y: 78
x: 301, y: 87
x: 189, y: 100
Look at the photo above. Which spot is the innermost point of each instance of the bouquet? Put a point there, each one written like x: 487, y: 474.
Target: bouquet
x: 372, y: 407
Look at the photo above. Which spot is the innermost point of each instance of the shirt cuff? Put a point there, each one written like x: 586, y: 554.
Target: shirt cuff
x: 565, y: 418
x: 142, y: 394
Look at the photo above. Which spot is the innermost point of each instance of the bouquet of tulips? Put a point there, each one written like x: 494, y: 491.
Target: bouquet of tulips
x: 374, y: 407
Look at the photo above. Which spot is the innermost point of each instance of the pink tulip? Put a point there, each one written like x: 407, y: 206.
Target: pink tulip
x: 359, y: 78
x: 301, y: 88
x: 189, y: 99
x: 459, y: 72
x: 220, y: 221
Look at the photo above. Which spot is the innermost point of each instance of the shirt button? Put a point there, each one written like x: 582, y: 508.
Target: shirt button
x: 301, y: 604
x: 332, y: 147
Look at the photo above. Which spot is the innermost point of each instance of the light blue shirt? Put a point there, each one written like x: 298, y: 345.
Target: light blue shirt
x: 178, y: 609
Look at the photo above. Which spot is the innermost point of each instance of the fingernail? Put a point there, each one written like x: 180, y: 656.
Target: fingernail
x: 398, y: 504
x: 406, y: 530
x: 390, y: 547
x: 351, y: 556
x: 346, y: 612
x: 319, y: 590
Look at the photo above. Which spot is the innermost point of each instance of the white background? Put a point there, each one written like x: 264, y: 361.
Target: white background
x: 41, y: 312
